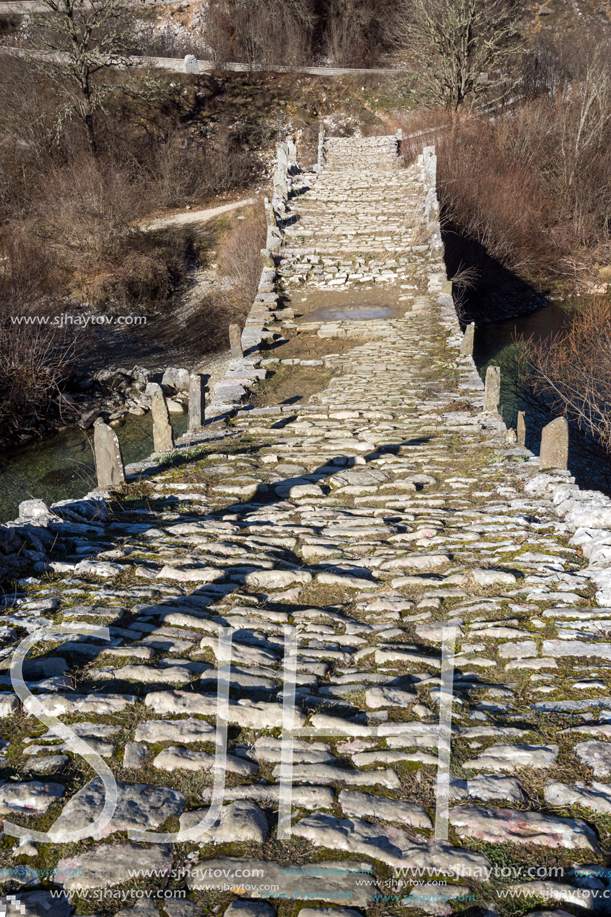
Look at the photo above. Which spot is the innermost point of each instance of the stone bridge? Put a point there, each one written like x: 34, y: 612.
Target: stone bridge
x: 417, y: 713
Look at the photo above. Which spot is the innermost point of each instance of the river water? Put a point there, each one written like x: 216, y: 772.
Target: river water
x: 497, y: 344
x: 62, y: 467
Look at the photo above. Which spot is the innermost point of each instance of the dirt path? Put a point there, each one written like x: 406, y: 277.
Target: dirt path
x: 167, y: 339
x: 196, y: 216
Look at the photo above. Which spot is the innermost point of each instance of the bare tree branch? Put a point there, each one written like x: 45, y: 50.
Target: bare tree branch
x: 461, y: 49
x: 83, y: 39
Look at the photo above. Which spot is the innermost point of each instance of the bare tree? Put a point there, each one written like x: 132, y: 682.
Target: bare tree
x: 358, y: 31
x: 461, y: 49
x: 82, y: 39
x: 260, y: 32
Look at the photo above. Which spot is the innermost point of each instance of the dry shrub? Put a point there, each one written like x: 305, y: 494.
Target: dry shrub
x: 33, y: 362
x: 356, y: 31
x: 572, y: 370
x: 496, y: 200
x: 422, y: 128
x: 35, y: 356
x: 137, y: 281
x: 261, y: 32
x: 98, y: 204
x: 27, y: 110
x: 239, y: 256
x: 241, y: 262
x: 35, y: 353
x: 178, y: 171
x: 532, y: 187
x: 27, y: 272
x: 154, y: 266
x: 108, y: 260
x: 265, y: 33
x: 360, y: 33
x: 184, y: 171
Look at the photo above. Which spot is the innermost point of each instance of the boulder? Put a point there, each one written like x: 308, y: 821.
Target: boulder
x: 36, y: 512
x: 178, y: 379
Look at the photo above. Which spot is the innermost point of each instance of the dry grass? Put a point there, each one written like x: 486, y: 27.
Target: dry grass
x: 572, y: 371
x: 239, y: 255
x: 240, y: 263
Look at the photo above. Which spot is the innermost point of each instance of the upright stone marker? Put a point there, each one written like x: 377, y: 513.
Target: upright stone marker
x: 281, y: 188
x: 191, y: 64
x: 108, y: 458
x: 290, y: 143
x: 554, y: 452
x: 270, y: 216
x: 492, y: 395
x: 235, y: 341
x: 163, y: 437
x: 282, y: 156
x: 429, y: 159
x: 521, y: 428
x: 431, y: 206
x: 321, y: 151
x: 197, y: 402
x: 468, y: 341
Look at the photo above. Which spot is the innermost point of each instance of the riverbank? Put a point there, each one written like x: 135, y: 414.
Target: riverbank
x: 61, y: 466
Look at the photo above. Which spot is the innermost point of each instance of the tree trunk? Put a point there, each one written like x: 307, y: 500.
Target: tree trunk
x: 90, y: 132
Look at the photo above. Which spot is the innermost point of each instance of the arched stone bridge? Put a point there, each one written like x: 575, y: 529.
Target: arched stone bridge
x: 418, y: 706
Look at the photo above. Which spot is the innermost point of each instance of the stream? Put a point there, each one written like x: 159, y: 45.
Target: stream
x: 61, y: 467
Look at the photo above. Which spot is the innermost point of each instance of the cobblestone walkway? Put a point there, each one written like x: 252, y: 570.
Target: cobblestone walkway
x: 346, y: 544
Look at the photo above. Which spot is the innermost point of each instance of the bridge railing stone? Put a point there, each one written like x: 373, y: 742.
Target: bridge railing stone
x: 108, y: 459
x: 320, y: 163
